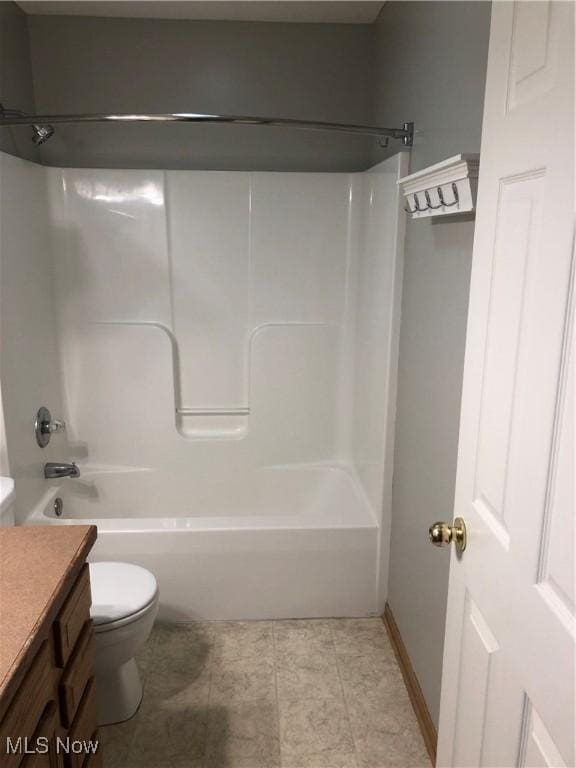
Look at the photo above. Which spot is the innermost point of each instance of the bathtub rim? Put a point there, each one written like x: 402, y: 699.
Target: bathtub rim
x: 363, y: 516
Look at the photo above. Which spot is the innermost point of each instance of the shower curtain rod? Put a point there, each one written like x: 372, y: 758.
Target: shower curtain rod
x: 13, y: 117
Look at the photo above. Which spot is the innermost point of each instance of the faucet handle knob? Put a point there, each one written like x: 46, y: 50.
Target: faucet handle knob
x: 54, y: 427
x: 45, y: 426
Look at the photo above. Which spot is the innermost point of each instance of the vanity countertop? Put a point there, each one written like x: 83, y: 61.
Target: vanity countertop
x: 38, y: 565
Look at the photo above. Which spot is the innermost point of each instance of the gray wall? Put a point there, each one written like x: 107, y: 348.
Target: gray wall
x: 309, y: 71
x: 431, y: 65
x: 15, y: 78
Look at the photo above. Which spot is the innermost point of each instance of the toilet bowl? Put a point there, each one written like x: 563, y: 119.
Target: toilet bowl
x: 124, y: 606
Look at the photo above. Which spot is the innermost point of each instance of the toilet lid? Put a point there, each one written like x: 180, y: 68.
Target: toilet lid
x: 119, y: 590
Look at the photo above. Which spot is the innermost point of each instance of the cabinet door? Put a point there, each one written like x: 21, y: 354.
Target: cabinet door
x: 28, y: 708
x: 44, y: 741
x: 84, y: 726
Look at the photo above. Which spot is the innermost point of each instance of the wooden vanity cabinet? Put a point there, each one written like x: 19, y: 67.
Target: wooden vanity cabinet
x: 53, y: 707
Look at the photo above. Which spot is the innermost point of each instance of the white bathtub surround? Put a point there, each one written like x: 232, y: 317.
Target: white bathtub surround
x: 228, y: 346
x: 376, y: 303
x: 29, y: 369
x: 6, y: 502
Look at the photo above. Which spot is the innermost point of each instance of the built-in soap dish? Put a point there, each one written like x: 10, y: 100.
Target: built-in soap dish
x: 213, y: 423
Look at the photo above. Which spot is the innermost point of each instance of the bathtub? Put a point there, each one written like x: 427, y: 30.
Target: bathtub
x: 268, y: 543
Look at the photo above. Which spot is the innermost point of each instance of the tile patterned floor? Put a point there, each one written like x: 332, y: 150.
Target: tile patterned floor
x: 278, y: 694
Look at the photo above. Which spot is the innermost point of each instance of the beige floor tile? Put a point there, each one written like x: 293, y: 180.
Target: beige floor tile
x: 173, y: 691
x: 244, y: 679
x: 311, y: 676
x: 370, y: 676
x: 186, y: 681
x: 314, y: 726
x: 169, y: 736
x: 180, y: 640
x: 141, y: 761
x: 144, y: 656
x: 374, y: 719
x: 357, y: 637
x: 115, y: 743
x: 320, y: 761
x: 397, y: 751
x: 175, y: 727
x: 303, y: 637
x: 180, y: 667
x: 243, y: 762
x: 243, y: 640
x: 246, y: 731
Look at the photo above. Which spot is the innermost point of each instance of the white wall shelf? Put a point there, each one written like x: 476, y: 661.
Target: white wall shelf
x: 442, y: 189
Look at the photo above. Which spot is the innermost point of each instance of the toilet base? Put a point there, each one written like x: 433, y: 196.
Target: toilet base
x: 118, y: 693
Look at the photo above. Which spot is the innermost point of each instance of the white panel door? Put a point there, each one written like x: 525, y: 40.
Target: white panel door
x: 508, y: 675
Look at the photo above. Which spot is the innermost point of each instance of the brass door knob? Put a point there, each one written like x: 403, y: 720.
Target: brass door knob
x: 442, y: 534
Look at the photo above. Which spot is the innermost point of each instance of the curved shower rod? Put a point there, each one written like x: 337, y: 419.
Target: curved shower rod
x: 42, y: 124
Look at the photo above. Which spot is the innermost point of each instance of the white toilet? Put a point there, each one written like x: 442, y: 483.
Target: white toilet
x: 124, y: 606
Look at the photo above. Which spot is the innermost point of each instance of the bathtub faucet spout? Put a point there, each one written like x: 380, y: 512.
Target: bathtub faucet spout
x: 54, y: 470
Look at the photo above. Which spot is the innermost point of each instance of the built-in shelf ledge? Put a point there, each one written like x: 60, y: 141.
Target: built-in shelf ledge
x: 217, y: 423
x: 224, y: 411
x: 442, y: 189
